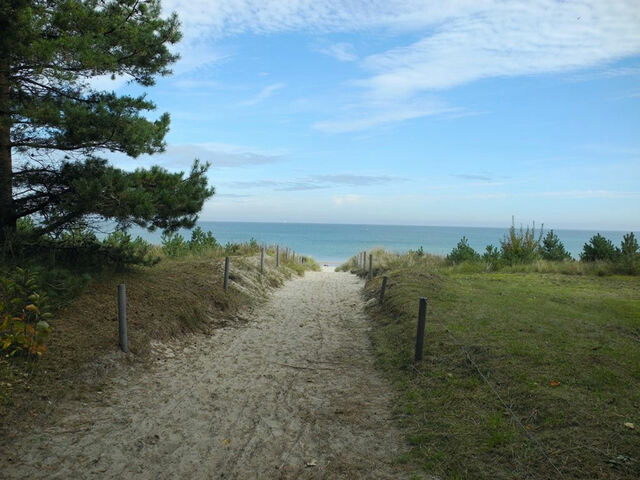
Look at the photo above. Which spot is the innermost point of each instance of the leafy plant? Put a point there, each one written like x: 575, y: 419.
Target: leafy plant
x: 23, y: 314
x: 462, y: 253
x: 201, y: 241
x: 127, y: 251
x: 599, y: 248
x: 492, y: 257
x: 521, y: 246
x: 174, y: 245
x: 231, y: 248
x: 629, y: 254
x: 553, y: 249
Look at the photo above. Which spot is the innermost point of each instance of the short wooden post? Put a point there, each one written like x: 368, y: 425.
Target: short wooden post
x: 370, y: 266
x: 422, y: 320
x: 226, y: 273
x: 262, y: 260
x: 122, y: 317
x: 383, y: 288
x: 277, y: 255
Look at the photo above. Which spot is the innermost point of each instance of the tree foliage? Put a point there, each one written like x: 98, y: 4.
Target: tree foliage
x: 553, y: 249
x: 521, y: 246
x: 599, y: 248
x: 54, y: 124
x: 462, y: 252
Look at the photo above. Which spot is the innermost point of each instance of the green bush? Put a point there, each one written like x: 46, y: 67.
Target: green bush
x: 553, y: 249
x: 599, y: 248
x: 492, y: 257
x: 521, y: 246
x: 462, y: 253
x: 23, y: 314
x: 201, y: 241
x: 119, y: 247
x: 174, y: 245
x: 629, y: 258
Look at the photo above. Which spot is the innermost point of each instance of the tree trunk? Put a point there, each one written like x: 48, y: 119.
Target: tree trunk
x: 7, y: 211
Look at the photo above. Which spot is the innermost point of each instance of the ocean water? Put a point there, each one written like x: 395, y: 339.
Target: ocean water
x: 335, y: 243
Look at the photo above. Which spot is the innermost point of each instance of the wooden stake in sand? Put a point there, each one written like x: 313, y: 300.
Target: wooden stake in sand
x: 422, y: 320
x: 122, y: 317
x: 225, y: 283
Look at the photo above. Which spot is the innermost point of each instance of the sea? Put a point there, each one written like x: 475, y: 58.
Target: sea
x: 333, y: 244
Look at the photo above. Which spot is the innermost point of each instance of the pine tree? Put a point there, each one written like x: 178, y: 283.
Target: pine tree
x: 553, y: 248
x: 54, y: 124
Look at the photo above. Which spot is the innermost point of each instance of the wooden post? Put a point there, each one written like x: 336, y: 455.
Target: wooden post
x: 226, y: 273
x: 422, y: 320
x: 383, y: 288
x: 262, y: 260
x: 277, y: 255
x: 370, y: 266
x: 122, y: 317
x: 364, y: 260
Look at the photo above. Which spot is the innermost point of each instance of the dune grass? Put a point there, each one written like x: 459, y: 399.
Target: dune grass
x: 561, y: 350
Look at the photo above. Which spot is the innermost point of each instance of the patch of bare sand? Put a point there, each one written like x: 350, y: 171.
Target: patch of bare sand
x: 290, y: 394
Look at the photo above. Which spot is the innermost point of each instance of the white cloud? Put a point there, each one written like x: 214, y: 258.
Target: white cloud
x: 181, y: 156
x: 340, y: 51
x: 348, y: 199
x: 610, y: 194
x: 265, y: 93
x: 522, y: 38
x: 373, y: 115
x: 608, y: 73
x: 459, y: 42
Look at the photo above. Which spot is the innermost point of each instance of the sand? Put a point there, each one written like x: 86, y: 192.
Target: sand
x: 290, y: 394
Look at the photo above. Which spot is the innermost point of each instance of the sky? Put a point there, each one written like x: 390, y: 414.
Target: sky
x: 460, y: 113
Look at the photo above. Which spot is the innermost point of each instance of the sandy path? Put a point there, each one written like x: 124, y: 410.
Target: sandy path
x: 291, y: 394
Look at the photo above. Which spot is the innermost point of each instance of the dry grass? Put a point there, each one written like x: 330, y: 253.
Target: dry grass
x: 170, y: 299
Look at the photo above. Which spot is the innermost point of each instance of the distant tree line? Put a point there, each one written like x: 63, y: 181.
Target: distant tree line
x: 524, y: 246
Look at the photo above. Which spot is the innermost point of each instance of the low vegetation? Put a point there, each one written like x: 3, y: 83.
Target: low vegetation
x: 58, y: 324
x: 531, y: 370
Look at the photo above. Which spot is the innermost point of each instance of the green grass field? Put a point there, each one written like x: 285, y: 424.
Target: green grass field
x: 562, y: 352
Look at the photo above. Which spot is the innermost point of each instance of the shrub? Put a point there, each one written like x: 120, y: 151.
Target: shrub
x: 23, y: 314
x: 202, y: 241
x: 462, y: 253
x: 629, y: 254
x: 629, y: 246
x: 599, y: 248
x: 122, y: 250
x: 231, y: 248
x: 521, y: 246
x: 553, y: 249
x: 173, y: 244
x: 492, y: 257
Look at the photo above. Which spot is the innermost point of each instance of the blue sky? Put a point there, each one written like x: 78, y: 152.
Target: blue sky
x: 409, y: 112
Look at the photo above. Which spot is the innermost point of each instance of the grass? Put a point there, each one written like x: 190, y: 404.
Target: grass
x: 562, y: 351
x: 175, y: 297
